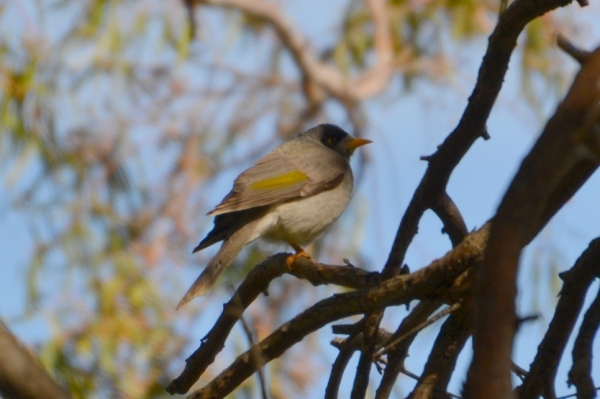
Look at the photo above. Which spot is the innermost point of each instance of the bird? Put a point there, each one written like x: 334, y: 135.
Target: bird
x: 291, y: 195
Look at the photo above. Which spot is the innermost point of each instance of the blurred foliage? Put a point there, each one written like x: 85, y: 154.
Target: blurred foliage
x: 420, y: 33
x: 115, y: 125
x: 542, y: 71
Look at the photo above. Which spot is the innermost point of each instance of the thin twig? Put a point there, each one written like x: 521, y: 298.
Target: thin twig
x: 416, y: 329
x: 256, y: 357
x: 519, y: 371
x: 454, y: 224
x: 399, y: 353
x: 581, y: 56
x: 417, y: 378
x: 443, y: 356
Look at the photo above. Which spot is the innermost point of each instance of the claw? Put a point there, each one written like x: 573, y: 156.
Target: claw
x: 299, y: 252
x: 292, y: 258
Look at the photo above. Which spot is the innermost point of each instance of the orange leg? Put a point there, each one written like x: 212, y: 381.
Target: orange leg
x: 299, y: 252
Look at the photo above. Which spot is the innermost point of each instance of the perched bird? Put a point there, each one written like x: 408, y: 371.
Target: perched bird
x: 292, y: 194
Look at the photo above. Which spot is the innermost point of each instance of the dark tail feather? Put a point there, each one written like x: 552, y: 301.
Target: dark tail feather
x: 229, y: 250
x: 228, y: 222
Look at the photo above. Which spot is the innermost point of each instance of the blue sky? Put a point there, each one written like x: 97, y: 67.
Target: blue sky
x: 404, y: 127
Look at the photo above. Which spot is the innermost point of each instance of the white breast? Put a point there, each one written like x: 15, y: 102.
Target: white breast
x: 302, y: 221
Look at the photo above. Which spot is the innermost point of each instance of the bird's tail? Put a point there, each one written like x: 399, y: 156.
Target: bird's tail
x: 230, y: 248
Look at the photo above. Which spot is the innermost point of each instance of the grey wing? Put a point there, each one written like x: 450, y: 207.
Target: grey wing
x: 282, y: 175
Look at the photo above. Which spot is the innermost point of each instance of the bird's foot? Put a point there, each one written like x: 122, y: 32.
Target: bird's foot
x: 292, y: 258
x: 299, y: 252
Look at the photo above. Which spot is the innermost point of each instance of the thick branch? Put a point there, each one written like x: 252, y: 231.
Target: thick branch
x: 427, y: 283
x: 472, y: 124
x: 527, y: 206
x: 254, y: 284
x: 21, y: 376
x: 542, y: 373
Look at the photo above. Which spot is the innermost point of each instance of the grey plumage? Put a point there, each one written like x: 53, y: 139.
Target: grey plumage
x: 322, y: 170
x: 293, y: 194
x: 232, y: 245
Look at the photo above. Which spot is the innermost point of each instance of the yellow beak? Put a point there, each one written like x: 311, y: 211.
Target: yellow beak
x: 357, y: 142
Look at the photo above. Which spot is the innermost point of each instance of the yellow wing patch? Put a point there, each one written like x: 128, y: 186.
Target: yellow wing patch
x: 282, y: 181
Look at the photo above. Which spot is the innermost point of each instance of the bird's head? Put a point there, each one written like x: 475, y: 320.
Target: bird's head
x: 336, y: 138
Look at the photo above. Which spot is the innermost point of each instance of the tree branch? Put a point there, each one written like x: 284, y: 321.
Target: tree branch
x: 542, y: 373
x: 21, y: 376
x: 454, y: 224
x: 363, y: 369
x: 256, y: 356
x: 580, y: 373
x: 399, y: 353
x: 579, y: 55
x: 472, y: 123
x: 532, y: 198
x: 427, y: 283
x: 442, y: 359
x: 397, y: 339
x: 256, y: 282
x: 347, y: 349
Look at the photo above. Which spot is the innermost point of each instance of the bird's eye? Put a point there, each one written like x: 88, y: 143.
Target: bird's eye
x: 330, y: 141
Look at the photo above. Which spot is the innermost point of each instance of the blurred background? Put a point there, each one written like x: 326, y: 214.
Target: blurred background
x: 124, y: 122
